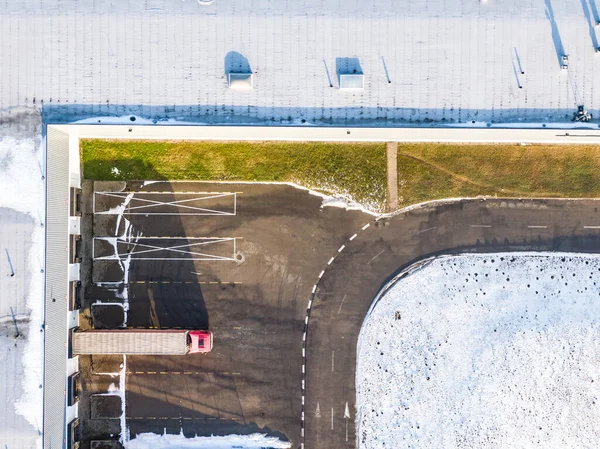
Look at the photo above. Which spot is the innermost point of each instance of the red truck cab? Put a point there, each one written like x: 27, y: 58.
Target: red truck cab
x: 201, y: 341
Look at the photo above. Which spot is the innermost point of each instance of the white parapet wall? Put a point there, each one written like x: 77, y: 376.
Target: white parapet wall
x: 587, y: 135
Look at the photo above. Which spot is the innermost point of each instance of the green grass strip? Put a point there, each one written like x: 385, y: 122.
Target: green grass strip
x: 434, y: 171
x: 354, y: 169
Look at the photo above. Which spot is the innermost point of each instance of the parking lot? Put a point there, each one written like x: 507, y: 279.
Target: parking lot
x: 238, y: 259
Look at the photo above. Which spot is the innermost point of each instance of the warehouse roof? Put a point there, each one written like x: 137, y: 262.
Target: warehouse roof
x: 423, y: 61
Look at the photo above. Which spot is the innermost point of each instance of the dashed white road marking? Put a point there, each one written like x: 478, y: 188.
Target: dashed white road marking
x: 537, y: 227
x: 353, y: 237
x: 310, y: 304
x: 366, y: 226
x: 330, y: 260
x: 481, y: 226
x: 331, y: 418
x: 591, y: 227
x: 332, y: 360
x: 321, y: 274
x: 314, y: 289
x: 341, y: 248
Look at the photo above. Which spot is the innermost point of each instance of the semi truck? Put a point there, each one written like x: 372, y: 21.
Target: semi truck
x: 141, y: 342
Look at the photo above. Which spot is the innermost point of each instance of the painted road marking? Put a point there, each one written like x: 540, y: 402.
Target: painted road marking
x: 376, y: 256
x: 425, y: 230
x: 537, y: 227
x: 332, y: 360
x: 175, y: 282
x: 143, y: 204
x: 341, y: 304
x: 201, y: 249
x: 353, y: 237
x: 314, y: 289
x: 341, y: 248
x: 310, y: 304
x: 346, y: 417
x: 366, y: 226
x: 330, y: 260
x: 591, y: 227
x: 331, y: 418
x: 481, y: 226
x: 321, y: 274
x: 188, y: 373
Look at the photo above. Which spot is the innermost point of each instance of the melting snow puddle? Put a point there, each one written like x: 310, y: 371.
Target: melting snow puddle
x: 476, y: 351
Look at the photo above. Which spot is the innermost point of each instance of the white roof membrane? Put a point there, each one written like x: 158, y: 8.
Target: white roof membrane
x: 452, y: 61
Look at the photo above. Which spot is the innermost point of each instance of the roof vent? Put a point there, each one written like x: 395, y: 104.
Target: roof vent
x: 240, y: 80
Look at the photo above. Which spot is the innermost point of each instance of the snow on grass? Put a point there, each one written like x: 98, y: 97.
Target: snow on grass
x: 482, y: 351
x: 166, y: 441
x: 22, y: 187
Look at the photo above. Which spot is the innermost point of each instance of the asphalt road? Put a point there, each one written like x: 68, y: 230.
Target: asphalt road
x: 244, y: 268
x: 372, y: 258
x: 285, y: 286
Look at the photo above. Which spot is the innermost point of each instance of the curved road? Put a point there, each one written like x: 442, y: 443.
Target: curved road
x: 370, y: 259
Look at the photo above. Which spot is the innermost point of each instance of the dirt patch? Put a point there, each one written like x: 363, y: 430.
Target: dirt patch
x: 106, y: 364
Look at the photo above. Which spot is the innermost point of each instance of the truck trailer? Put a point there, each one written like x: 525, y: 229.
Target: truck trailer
x: 141, y: 342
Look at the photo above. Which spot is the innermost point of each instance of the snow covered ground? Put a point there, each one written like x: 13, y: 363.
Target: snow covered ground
x: 452, y: 61
x: 22, y: 209
x: 484, y: 351
x: 166, y: 441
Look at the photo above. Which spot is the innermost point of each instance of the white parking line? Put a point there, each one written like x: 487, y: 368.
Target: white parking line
x: 144, y: 248
x: 174, y: 204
